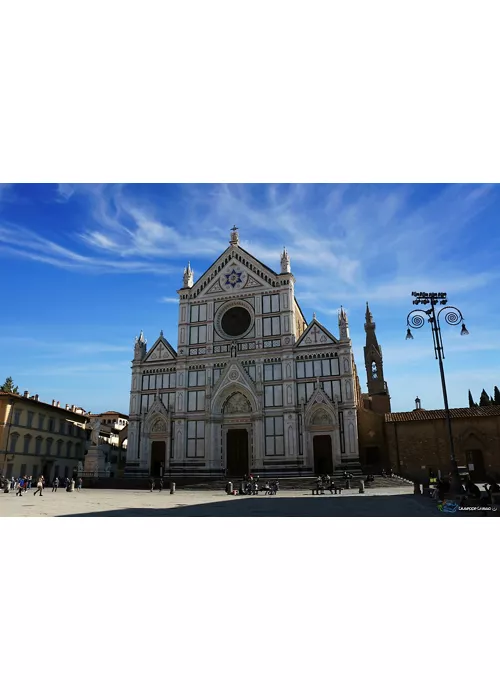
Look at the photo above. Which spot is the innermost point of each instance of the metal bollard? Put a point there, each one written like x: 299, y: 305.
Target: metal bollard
x: 172, y: 487
x: 229, y: 487
x: 361, y: 486
x: 416, y: 489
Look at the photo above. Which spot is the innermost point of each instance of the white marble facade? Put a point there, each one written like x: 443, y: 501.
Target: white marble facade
x: 252, y: 386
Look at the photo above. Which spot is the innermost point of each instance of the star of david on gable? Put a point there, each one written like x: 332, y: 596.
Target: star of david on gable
x: 233, y: 278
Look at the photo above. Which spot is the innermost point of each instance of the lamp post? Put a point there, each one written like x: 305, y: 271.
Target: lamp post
x: 453, y: 317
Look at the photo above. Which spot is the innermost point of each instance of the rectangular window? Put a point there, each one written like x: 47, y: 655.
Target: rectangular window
x: 152, y: 381
x: 29, y: 420
x: 272, y: 372
x: 195, y: 438
x: 48, y: 446
x: 304, y: 391
x: 51, y: 425
x: 16, y: 418
x: 59, y: 448
x: 197, y: 377
x: 301, y: 449
x: 168, y: 399
x: 146, y: 402
x: 38, y: 445
x: 271, y: 326
x: 62, y: 426
x: 273, y: 395
x: 341, y: 430
x: 196, y: 400
x: 270, y: 303
x: 68, y: 449
x: 197, y: 334
x: 145, y: 382
x: 217, y: 373
x: 27, y: 440
x: 41, y: 421
x: 251, y: 371
x: 198, y: 313
x: 275, y: 436
x: 169, y: 380
x: 332, y: 389
x: 13, y: 442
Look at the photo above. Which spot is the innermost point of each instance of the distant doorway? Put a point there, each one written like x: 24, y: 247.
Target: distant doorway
x: 237, y: 452
x: 323, y: 461
x: 476, y: 458
x: 372, y: 456
x: 157, y: 458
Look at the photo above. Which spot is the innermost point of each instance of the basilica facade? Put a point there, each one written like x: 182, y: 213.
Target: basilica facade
x: 252, y: 386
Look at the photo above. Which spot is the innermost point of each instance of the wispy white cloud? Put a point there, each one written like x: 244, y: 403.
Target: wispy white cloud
x: 169, y: 300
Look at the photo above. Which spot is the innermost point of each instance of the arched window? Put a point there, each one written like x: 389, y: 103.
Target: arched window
x: 59, y: 448
x: 48, y: 450
x: 13, y: 442
x: 27, y: 441
x: 38, y: 445
x: 374, y: 370
x: 69, y: 448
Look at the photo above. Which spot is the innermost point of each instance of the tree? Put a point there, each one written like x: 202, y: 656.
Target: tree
x: 496, y: 396
x: 485, y: 399
x: 471, y: 401
x: 8, y: 385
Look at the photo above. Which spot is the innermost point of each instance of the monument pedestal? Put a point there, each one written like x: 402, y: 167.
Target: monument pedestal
x: 95, y: 463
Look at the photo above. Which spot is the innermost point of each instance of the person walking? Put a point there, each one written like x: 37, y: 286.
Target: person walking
x: 152, y: 484
x: 79, y: 485
x: 39, y: 487
x: 55, y: 484
x: 25, y: 483
x: 161, y: 485
x: 20, y: 486
x: 30, y: 479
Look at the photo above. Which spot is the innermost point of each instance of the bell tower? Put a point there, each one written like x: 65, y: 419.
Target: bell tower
x: 377, y: 386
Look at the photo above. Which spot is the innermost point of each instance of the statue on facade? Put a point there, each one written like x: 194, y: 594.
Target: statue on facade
x: 95, y: 426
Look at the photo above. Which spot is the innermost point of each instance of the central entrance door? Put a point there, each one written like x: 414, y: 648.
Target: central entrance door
x: 157, y: 458
x: 323, y: 462
x: 237, y: 452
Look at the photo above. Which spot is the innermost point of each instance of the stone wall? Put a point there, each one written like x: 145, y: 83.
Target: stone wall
x: 415, y: 446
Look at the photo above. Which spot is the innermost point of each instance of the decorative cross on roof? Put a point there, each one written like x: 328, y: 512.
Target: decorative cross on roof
x: 315, y: 333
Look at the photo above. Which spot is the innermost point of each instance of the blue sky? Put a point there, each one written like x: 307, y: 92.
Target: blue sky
x: 85, y: 267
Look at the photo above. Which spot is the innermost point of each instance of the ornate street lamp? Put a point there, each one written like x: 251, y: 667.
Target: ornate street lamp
x: 453, y: 317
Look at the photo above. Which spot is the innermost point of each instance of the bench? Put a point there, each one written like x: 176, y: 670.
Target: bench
x: 320, y: 490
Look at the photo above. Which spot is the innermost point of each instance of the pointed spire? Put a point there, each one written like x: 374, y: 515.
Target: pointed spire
x: 343, y: 324
x: 188, y: 277
x: 235, y: 236
x: 285, y: 261
x: 314, y: 315
x: 161, y: 334
x: 369, y: 324
x: 141, y: 337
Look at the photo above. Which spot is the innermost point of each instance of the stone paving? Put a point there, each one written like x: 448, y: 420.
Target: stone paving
x: 382, y: 502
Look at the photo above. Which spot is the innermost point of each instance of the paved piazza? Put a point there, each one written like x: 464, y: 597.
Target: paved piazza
x: 383, y: 502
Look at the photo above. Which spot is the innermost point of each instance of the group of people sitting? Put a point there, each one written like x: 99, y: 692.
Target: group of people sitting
x: 326, y: 483
x: 251, y: 486
x: 441, y: 486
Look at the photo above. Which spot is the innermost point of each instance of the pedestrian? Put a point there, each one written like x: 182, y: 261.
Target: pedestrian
x: 30, y: 479
x: 80, y: 482
x: 25, y: 483
x: 152, y: 484
x: 72, y: 485
x: 20, y: 486
x: 161, y: 485
x: 12, y: 483
x: 55, y: 484
x: 39, y: 487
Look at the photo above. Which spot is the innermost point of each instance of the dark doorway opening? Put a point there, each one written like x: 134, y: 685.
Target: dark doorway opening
x: 323, y: 461
x: 372, y: 456
x: 237, y: 452
x: 476, y: 458
x: 157, y: 458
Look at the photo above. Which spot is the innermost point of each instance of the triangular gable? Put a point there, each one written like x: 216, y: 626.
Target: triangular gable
x: 318, y: 397
x: 233, y: 374
x: 161, y: 350
x: 225, y: 270
x: 315, y: 334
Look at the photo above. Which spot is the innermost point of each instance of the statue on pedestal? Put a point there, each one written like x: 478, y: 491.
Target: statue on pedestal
x: 94, y: 425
